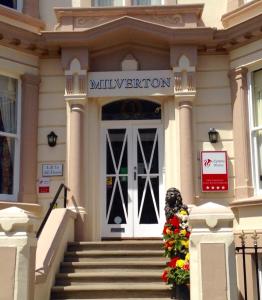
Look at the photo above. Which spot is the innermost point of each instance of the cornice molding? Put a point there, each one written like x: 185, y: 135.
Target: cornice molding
x: 118, y: 32
x: 196, y: 9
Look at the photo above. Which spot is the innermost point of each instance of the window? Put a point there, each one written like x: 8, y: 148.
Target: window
x: 256, y: 126
x: 131, y: 110
x: 9, y: 3
x: 104, y: 3
x: 146, y: 2
x: 9, y: 137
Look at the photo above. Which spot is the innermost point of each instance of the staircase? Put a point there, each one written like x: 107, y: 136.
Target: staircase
x: 112, y: 270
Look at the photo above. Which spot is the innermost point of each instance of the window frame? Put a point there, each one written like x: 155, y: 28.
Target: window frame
x: 253, y: 129
x: 17, y: 139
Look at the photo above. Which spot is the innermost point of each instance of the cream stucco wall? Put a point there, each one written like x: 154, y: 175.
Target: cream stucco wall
x: 213, y: 109
x: 52, y: 117
x: 213, y: 10
x: 46, y: 9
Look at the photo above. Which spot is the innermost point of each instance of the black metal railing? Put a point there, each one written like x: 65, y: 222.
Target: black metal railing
x: 52, y: 205
x: 253, y: 250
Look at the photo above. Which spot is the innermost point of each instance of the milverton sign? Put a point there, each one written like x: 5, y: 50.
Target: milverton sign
x: 130, y: 83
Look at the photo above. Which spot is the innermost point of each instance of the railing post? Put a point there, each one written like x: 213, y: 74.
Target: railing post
x: 255, y: 238
x: 243, y: 248
x: 65, y: 196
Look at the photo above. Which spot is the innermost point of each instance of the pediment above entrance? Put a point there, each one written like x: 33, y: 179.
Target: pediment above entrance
x: 179, y: 16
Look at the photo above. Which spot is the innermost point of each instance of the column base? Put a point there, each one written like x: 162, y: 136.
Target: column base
x: 80, y: 223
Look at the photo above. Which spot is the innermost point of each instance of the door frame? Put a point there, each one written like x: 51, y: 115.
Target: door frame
x: 131, y: 124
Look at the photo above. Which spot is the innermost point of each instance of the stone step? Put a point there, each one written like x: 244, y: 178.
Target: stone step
x: 116, y: 245
x: 105, y: 276
x: 166, y: 298
x: 116, y: 265
x: 113, y: 254
x: 111, y: 291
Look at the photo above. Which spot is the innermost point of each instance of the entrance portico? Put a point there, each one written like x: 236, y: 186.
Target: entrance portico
x: 128, y: 199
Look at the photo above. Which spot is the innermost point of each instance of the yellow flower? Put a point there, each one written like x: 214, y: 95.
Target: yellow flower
x: 185, y: 243
x: 187, y: 257
x: 183, y: 232
x: 183, y: 212
x: 180, y: 263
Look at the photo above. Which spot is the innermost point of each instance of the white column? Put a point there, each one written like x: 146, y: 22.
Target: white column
x: 75, y: 164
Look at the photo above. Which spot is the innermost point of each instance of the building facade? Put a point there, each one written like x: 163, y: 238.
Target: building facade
x: 130, y: 89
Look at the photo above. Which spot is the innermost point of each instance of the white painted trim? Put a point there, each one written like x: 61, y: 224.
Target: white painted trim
x: 16, y: 137
x: 252, y: 134
x: 136, y: 230
x: 19, y: 5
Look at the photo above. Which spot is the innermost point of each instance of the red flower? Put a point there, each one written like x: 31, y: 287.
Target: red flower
x: 186, y: 267
x: 174, y: 221
x: 187, y: 234
x: 164, y: 276
x: 176, y: 230
x: 172, y: 263
x: 165, y: 229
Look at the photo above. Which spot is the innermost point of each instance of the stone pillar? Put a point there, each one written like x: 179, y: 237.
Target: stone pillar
x: 76, y: 97
x: 28, y: 158
x: 75, y: 166
x: 17, y: 254
x: 31, y: 8
x: 212, y: 253
x: 186, y: 147
x: 243, y: 175
x: 183, y: 60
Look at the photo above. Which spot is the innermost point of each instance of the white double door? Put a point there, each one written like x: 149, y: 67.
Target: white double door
x: 133, y: 204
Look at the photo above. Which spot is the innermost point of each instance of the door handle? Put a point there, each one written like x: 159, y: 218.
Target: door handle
x: 134, y: 173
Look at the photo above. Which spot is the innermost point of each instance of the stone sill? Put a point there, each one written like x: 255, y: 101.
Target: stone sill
x: 241, y: 14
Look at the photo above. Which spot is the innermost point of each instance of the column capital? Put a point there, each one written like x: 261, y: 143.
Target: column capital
x: 76, y: 100
x: 185, y: 97
x: 238, y: 73
x: 31, y: 79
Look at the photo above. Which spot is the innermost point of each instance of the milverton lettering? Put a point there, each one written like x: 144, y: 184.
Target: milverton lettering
x: 129, y: 83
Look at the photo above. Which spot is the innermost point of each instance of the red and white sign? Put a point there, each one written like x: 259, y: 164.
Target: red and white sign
x: 214, y: 171
x: 43, y: 185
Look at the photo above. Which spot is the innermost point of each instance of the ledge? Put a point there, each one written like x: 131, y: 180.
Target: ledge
x: 252, y: 201
x: 242, y: 13
x: 34, y: 209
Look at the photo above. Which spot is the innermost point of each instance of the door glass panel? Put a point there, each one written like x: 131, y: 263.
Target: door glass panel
x: 147, y: 138
x: 118, y: 201
x: 148, y: 176
x: 116, y: 177
x: 146, y: 212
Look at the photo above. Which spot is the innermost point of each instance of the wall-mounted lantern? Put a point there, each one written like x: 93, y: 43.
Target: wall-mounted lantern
x: 213, y: 135
x: 52, y: 138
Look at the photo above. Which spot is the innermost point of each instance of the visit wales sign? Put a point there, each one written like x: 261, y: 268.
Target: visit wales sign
x: 130, y: 83
x: 214, y: 171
